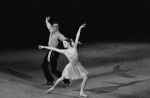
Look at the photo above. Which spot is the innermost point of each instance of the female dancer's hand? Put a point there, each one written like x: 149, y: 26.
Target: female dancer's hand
x: 82, y: 26
x: 40, y: 47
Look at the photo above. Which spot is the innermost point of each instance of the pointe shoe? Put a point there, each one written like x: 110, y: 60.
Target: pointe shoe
x: 70, y: 83
x: 83, y: 95
x: 50, y: 90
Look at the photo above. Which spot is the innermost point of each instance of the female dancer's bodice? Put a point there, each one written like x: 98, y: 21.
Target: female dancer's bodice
x: 72, y: 55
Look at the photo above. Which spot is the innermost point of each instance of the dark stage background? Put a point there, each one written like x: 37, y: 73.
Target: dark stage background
x: 23, y: 21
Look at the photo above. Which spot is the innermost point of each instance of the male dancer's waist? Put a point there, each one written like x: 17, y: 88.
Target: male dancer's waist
x: 53, y: 45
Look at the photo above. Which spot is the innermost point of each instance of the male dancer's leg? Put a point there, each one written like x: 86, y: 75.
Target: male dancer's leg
x: 54, y: 58
x: 46, y: 71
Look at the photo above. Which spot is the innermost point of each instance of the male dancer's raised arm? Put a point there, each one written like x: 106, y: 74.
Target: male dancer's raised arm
x: 49, y: 26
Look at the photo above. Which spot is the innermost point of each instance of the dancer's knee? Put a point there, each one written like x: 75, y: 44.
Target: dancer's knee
x: 85, y: 77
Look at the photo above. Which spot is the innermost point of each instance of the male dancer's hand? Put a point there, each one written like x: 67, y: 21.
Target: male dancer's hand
x: 47, y: 19
x: 47, y: 23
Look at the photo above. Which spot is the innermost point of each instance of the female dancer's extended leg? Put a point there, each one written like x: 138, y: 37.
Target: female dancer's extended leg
x: 59, y: 80
x: 83, y: 86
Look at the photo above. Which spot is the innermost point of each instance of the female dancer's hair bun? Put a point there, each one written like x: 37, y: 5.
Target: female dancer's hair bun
x: 69, y: 40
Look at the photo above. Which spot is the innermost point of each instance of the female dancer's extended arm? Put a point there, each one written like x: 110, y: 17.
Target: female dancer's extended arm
x: 52, y: 48
x: 78, y: 35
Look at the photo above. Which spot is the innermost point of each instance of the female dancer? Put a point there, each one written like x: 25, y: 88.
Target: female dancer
x: 73, y: 70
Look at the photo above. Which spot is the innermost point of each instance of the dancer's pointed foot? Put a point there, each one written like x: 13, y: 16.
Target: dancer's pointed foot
x: 70, y: 83
x: 50, y: 90
x: 83, y: 95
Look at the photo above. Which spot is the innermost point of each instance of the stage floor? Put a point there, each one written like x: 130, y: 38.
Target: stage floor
x: 116, y: 70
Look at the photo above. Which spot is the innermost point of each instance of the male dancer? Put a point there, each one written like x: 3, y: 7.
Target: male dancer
x: 52, y: 56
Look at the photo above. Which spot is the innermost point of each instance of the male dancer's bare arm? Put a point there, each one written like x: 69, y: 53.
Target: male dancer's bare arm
x: 49, y: 26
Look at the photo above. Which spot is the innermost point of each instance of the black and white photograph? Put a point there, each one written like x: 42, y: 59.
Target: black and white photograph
x: 74, y: 49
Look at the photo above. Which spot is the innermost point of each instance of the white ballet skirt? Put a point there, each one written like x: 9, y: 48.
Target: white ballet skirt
x: 74, y: 70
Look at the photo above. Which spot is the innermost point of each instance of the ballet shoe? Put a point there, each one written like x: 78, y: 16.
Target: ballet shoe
x: 50, y: 90
x: 83, y: 95
x: 70, y: 83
